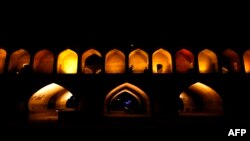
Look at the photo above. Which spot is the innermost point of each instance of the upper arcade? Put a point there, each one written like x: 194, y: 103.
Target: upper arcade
x: 116, y: 61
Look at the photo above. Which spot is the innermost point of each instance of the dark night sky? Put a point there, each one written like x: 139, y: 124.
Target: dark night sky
x: 43, y: 26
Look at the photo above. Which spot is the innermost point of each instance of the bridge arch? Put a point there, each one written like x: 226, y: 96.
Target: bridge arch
x: 200, y: 99
x: 126, y: 100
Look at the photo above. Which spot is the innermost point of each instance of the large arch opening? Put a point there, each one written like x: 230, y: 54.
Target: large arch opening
x: 162, y: 61
x: 19, y: 61
x: 67, y: 62
x: 246, y: 58
x: 184, y: 61
x: 126, y: 100
x: 208, y: 62
x: 47, y: 101
x: 3, y: 55
x: 43, y: 61
x: 230, y: 61
x: 115, y: 62
x: 138, y: 61
x: 91, y: 62
x: 200, y: 100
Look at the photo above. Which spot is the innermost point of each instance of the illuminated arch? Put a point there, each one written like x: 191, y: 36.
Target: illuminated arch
x: 184, y: 61
x: 67, y: 62
x: 95, y: 66
x: 47, y: 101
x: 230, y: 61
x: 246, y: 58
x: 132, y: 90
x: 138, y: 61
x: 43, y: 61
x: 199, y: 99
x: 162, y: 61
x: 115, y: 62
x: 207, y: 61
x: 18, y: 60
x: 3, y: 55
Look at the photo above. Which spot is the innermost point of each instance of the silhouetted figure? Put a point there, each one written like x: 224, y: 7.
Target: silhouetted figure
x: 127, y: 103
x: 14, y: 71
x: 191, y: 70
x: 26, y: 69
x: 71, y: 103
x: 213, y: 68
x: 131, y: 69
x: 159, y: 68
x: 146, y: 71
x: 180, y: 105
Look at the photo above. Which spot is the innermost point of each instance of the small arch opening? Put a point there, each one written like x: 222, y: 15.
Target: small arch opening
x: 43, y: 62
x: 246, y: 58
x: 67, y: 62
x: 138, y: 61
x: 115, y: 62
x: 3, y: 55
x: 230, y: 61
x: 207, y: 61
x: 162, y: 61
x: 184, y: 61
x: 19, y: 61
x: 91, y: 62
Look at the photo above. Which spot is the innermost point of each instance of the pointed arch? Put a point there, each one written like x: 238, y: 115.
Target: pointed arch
x: 3, y: 55
x: 115, y: 61
x: 18, y: 60
x: 91, y: 61
x: 43, y: 61
x: 246, y: 59
x: 200, y: 99
x: 230, y: 61
x: 208, y: 62
x: 138, y: 61
x: 162, y: 61
x: 184, y: 61
x: 67, y: 62
x: 131, y: 90
x: 39, y: 100
x: 45, y: 103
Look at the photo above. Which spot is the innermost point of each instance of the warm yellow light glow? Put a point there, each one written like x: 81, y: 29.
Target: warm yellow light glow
x: 207, y: 61
x: 87, y: 54
x: 43, y: 62
x: 132, y: 89
x: 162, y: 61
x: 88, y: 71
x: 138, y: 59
x: 3, y: 55
x: 184, y: 61
x: 232, y: 61
x: 98, y: 71
x: 115, y: 62
x: 224, y: 70
x: 187, y: 102
x: 210, y: 98
x: 39, y: 100
x: 62, y: 100
x: 246, y: 58
x: 18, y: 59
x: 67, y: 62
